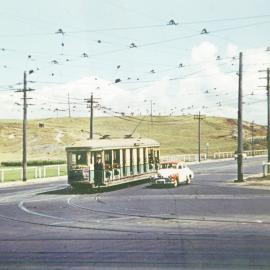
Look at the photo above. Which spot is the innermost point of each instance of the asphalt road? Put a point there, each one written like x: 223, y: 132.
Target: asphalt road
x: 210, y: 224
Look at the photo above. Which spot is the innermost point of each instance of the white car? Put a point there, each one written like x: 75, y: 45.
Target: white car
x: 173, y: 173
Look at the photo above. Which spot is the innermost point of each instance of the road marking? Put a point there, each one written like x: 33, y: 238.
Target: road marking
x: 63, y: 222
x: 23, y: 208
x: 259, y: 221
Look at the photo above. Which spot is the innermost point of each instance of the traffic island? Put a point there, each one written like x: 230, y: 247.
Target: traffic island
x: 257, y: 182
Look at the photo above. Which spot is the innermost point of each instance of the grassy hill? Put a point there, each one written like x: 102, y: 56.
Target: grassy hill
x: 177, y: 135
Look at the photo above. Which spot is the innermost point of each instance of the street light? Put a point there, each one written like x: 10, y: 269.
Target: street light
x: 207, y: 146
x: 151, y: 109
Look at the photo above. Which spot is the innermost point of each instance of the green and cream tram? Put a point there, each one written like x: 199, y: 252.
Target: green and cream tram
x: 106, y: 162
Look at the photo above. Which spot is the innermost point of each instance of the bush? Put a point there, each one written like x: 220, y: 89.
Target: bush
x: 33, y: 163
x: 246, y: 146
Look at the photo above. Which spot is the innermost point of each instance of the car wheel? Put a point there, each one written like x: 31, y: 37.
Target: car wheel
x: 188, y: 180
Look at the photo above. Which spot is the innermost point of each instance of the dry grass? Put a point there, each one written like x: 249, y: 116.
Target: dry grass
x: 177, y: 135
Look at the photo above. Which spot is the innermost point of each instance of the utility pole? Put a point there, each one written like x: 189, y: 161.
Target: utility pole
x: 57, y: 110
x: 91, y: 117
x: 90, y: 104
x: 151, y: 111
x: 69, y: 114
x: 252, y: 138
x: 207, y: 150
x: 24, y: 142
x: 268, y: 109
x: 24, y: 128
x: 240, y: 177
x: 199, y: 117
x: 268, y: 114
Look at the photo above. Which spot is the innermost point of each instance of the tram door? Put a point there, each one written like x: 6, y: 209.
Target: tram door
x: 131, y: 162
x: 124, y: 162
x: 138, y: 160
x: 144, y: 159
x: 96, y: 166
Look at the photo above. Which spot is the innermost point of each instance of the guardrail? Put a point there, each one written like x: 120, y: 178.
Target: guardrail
x: 12, y: 174
x: 222, y: 155
x: 216, y: 155
x: 185, y: 158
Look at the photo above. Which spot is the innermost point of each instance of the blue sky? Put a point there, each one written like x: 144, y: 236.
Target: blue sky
x: 104, y: 31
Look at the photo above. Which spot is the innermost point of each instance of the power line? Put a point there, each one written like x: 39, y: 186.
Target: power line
x: 226, y: 19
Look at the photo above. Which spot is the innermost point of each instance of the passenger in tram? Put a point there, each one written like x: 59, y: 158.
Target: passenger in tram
x: 108, y: 169
x: 156, y: 163
x: 116, y: 168
x: 98, y: 176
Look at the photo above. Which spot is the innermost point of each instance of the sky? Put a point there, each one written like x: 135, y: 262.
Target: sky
x: 181, y: 56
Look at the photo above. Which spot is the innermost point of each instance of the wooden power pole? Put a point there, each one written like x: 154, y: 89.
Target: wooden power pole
x: 90, y: 104
x: 24, y: 128
x: 199, y: 117
x: 240, y: 175
x: 24, y: 142
x: 268, y: 114
x: 268, y: 108
x: 252, y: 138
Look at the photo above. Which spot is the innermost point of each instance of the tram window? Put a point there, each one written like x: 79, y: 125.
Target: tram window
x: 164, y: 166
x: 144, y: 159
x: 79, y: 158
x: 138, y: 160
x: 116, y: 158
x: 151, y: 159
x: 151, y: 156
x: 172, y: 166
x: 108, y: 159
x: 131, y: 161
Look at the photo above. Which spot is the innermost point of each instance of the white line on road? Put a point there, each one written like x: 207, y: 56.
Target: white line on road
x: 23, y: 208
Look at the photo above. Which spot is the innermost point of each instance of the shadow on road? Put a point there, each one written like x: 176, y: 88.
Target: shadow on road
x: 86, y: 188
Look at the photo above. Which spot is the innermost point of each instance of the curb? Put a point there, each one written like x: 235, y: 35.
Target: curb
x: 32, y: 181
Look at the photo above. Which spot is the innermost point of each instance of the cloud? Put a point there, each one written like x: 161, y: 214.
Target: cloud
x: 205, y: 84
x: 205, y: 51
x: 232, y: 50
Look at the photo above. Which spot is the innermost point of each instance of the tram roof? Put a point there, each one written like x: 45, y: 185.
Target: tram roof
x: 113, y: 144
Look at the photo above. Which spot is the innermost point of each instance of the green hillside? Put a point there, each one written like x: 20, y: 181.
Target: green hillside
x: 177, y: 135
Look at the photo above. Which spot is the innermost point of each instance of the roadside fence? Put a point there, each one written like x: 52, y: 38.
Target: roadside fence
x: 223, y: 155
x: 216, y: 155
x: 10, y: 174
x: 185, y: 158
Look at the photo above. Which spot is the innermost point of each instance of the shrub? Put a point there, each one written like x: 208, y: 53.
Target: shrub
x: 33, y: 163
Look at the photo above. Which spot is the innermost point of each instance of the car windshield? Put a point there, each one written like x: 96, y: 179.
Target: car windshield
x: 168, y: 166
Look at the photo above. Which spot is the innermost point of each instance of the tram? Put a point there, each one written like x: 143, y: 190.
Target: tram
x: 106, y: 162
